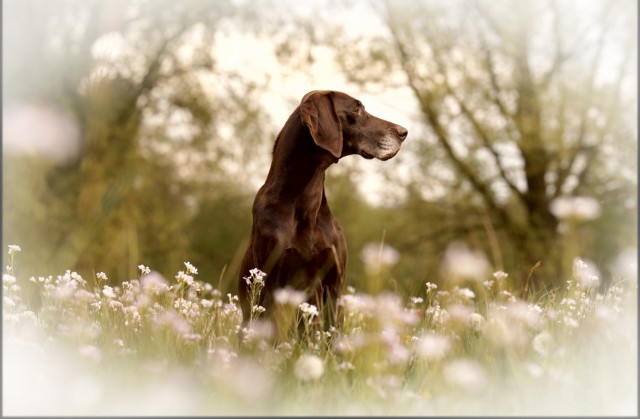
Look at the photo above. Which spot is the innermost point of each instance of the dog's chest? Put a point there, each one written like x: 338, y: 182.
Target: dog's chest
x: 310, y: 240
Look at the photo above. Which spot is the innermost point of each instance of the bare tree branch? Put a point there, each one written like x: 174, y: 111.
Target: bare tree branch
x: 561, y: 54
x: 495, y: 87
x: 441, y: 133
x: 565, y: 171
x: 493, y: 24
x: 479, y: 129
x: 589, y: 155
x: 79, y: 237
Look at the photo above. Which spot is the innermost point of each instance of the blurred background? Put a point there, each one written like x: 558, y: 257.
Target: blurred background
x: 138, y: 132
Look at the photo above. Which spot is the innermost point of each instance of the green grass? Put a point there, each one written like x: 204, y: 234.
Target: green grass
x: 150, y: 347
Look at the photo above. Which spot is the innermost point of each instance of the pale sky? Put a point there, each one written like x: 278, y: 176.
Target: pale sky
x: 255, y: 60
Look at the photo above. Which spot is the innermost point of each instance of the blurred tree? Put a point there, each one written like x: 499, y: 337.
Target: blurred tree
x: 525, y: 102
x: 139, y: 81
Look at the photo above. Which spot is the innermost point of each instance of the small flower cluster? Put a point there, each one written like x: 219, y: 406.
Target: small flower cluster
x: 256, y: 276
x: 412, y: 353
x: 255, y: 282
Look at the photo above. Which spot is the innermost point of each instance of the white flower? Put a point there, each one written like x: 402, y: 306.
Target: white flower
x: 223, y: 356
x: 101, y: 276
x: 522, y: 313
x: 430, y: 287
x: 437, y: 315
x: 154, y: 283
x: 416, y: 300
x: 115, y: 305
x: 188, y: 308
x: 376, y: 256
x: 308, y: 368
x: 535, y: 308
x: 361, y: 303
x: 259, y: 330
x: 346, y: 345
x: 85, y: 296
x: 570, y: 302
x: 500, y: 275
x: 190, y: 268
x: 8, y: 279
x: 289, y: 296
x: 433, y: 347
x: 460, y: 262
x: 509, y: 325
x: 144, y: 269
x: 309, y: 309
x: 388, y: 308
x: 346, y: 366
x: 258, y: 309
x: 465, y: 293
x: 14, y: 248
x: 177, y: 323
x: 585, y: 273
x: 132, y: 316
x: 507, y: 296
x: 256, y: 276
x: 108, y: 292
x: 183, y: 277
x: 191, y: 337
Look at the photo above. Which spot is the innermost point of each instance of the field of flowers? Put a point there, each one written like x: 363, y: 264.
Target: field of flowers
x: 152, y: 346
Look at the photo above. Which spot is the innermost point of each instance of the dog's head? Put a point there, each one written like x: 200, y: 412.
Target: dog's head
x: 339, y: 124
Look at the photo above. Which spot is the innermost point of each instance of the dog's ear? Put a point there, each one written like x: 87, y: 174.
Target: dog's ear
x: 318, y: 112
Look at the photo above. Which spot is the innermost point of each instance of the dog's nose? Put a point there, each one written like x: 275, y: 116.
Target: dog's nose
x: 402, y: 132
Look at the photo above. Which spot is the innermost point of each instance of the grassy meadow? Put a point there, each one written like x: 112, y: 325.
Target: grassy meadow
x: 176, y: 346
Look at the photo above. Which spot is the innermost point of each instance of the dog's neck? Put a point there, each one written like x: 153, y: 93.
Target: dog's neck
x: 296, y: 175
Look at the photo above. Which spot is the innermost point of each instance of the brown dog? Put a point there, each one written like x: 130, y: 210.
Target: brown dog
x: 294, y: 237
